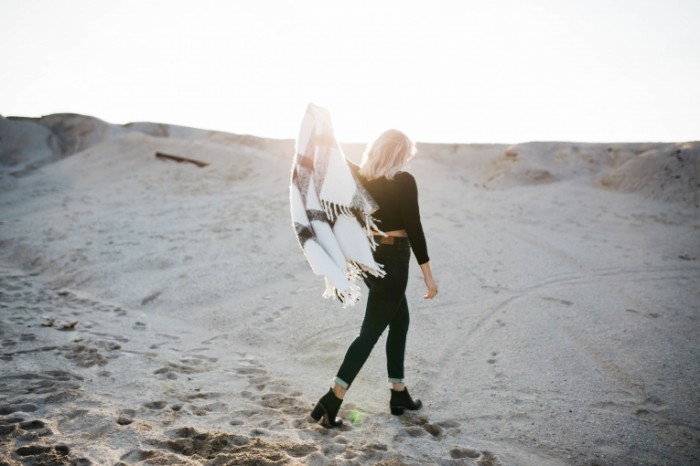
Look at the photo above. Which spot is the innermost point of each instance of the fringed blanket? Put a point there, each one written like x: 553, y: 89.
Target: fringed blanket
x: 331, y: 211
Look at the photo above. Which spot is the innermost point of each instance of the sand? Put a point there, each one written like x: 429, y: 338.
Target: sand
x: 155, y: 312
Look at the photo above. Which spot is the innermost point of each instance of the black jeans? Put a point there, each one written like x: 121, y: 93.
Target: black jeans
x: 386, y: 307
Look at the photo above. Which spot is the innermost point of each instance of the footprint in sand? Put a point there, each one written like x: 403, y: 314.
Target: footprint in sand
x: 493, y: 359
x: 186, y: 365
x: 284, y: 404
x: 156, y: 404
x: 24, y: 431
x: 277, y: 314
x: 167, y: 339
x: 42, y: 388
x: 202, y: 403
x: 481, y: 458
x: 418, y: 426
x: 17, y: 408
x: 260, y: 391
x: 126, y: 417
x: 41, y: 450
x: 257, y: 377
x: 222, y: 448
x: 74, y: 300
x: 18, y: 432
x: 88, y: 353
x: 8, y: 343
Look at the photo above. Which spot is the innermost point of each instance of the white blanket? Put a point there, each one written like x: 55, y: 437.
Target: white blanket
x: 331, y: 211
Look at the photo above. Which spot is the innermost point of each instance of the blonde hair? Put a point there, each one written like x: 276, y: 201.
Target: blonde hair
x: 386, y: 155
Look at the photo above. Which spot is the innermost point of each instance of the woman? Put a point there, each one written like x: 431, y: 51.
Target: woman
x: 396, y: 194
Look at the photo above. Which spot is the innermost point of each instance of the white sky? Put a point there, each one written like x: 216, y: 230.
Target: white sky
x: 442, y: 71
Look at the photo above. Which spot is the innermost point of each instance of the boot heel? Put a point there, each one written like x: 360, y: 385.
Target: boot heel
x: 396, y: 411
x: 318, y: 412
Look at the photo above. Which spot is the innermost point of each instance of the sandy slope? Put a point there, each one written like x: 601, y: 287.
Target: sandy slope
x: 565, y: 332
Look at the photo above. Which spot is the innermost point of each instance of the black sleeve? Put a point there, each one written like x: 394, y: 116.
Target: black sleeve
x: 411, y: 217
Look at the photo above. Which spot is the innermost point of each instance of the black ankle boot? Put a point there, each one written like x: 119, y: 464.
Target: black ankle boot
x: 401, y: 401
x: 327, y: 408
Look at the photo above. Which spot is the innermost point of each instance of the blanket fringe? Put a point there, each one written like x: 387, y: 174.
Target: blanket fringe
x: 364, y: 270
x: 353, y: 292
x: 333, y: 210
x: 348, y: 297
x: 370, y: 227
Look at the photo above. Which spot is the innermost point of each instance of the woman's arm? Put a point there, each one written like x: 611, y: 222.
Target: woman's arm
x: 410, y: 213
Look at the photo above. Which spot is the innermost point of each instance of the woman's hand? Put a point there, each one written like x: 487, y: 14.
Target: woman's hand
x: 432, y: 288
x: 430, y: 282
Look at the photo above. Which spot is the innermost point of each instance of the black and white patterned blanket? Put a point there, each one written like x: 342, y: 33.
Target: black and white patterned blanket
x: 331, y: 211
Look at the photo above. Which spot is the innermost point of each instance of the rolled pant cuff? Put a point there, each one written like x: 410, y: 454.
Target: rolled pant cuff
x: 395, y: 380
x: 341, y: 382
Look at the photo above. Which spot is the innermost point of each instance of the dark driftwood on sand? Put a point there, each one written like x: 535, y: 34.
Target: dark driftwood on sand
x: 177, y: 158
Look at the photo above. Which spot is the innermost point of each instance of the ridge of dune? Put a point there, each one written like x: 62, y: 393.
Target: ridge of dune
x: 28, y: 143
x: 662, y: 171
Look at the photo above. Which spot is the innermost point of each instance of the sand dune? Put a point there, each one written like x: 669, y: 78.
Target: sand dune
x: 155, y: 312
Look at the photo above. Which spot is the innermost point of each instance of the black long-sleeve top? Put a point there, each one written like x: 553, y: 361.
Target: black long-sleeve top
x: 398, y: 209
